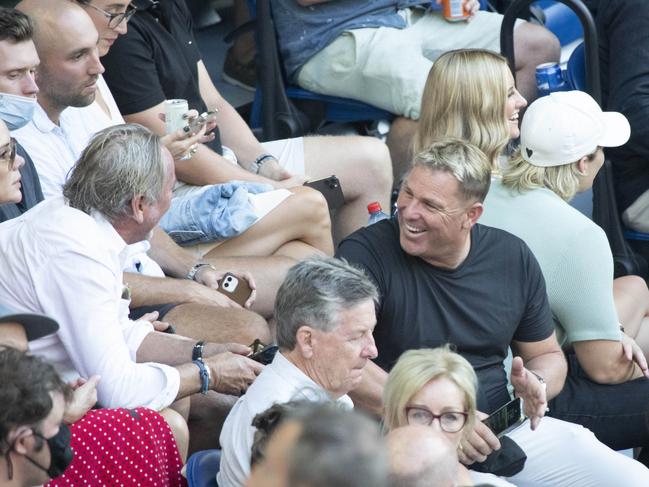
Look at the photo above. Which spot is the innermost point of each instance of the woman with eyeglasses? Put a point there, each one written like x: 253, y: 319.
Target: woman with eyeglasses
x: 436, y: 388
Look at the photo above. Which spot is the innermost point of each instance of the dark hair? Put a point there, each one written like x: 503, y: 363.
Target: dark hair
x: 25, y: 393
x: 15, y: 26
x: 267, y: 421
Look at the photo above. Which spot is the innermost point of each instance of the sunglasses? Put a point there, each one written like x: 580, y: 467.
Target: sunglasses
x: 8, y: 153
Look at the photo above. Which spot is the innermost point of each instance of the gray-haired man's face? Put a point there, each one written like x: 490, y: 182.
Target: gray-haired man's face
x: 339, y: 356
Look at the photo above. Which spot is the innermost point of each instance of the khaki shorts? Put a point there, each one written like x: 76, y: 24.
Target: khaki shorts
x: 388, y: 67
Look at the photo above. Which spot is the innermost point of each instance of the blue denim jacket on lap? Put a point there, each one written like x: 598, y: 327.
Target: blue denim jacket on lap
x: 218, y: 212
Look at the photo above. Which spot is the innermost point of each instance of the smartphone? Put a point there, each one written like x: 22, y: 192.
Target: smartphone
x: 197, y: 123
x: 506, y: 418
x: 234, y: 288
x: 264, y: 354
x: 331, y: 189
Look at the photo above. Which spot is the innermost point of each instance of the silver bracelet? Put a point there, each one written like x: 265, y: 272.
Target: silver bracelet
x: 191, y: 275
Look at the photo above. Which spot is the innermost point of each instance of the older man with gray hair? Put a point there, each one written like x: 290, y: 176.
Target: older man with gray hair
x: 63, y: 258
x: 325, y: 319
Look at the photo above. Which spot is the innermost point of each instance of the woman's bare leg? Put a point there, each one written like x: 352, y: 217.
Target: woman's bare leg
x: 302, y: 217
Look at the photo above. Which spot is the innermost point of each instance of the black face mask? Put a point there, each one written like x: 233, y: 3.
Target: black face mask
x: 60, y: 452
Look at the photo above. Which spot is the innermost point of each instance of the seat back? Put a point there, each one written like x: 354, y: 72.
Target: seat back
x: 202, y: 467
x: 576, y: 69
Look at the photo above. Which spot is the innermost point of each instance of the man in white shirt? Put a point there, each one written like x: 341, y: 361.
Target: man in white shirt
x: 199, y: 308
x: 64, y: 258
x: 325, y: 319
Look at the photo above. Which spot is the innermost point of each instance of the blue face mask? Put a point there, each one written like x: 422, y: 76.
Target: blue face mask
x: 16, y: 111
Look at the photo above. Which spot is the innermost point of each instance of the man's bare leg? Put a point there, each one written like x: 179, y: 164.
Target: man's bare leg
x: 218, y: 325
x: 533, y: 45
x: 399, y: 142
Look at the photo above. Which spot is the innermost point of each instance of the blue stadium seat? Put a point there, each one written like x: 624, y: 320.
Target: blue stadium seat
x: 202, y: 467
x: 561, y: 20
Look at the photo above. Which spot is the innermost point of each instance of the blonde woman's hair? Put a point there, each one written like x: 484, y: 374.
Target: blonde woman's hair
x: 521, y: 176
x: 415, y: 369
x: 465, y: 97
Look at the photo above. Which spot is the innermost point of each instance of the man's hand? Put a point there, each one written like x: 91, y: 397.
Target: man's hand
x: 232, y: 373
x: 84, y: 397
x: 528, y: 387
x: 471, y: 6
x: 210, y: 278
x: 480, y: 443
x: 152, y: 318
x: 632, y: 351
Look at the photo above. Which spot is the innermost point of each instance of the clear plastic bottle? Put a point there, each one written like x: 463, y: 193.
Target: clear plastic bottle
x: 376, y: 213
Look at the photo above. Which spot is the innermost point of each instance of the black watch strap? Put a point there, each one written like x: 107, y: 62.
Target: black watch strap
x: 197, y: 352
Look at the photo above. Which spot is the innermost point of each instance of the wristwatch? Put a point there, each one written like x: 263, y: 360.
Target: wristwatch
x: 197, y: 351
x: 191, y: 275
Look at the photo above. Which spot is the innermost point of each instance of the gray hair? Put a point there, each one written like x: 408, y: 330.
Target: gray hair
x: 120, y: 163
x: 314, y: 292
x: 337, y: 447
x: 464, y: 161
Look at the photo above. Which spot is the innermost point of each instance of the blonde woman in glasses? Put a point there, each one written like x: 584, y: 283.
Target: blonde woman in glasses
x: 436, y: 388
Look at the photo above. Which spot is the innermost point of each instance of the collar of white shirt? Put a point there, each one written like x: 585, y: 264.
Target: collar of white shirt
x: 41, y: 121
x: 114, y: 240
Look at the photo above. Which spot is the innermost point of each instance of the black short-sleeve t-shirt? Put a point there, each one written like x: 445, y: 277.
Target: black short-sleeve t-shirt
x: 495, y: 296
x: 155, y: 60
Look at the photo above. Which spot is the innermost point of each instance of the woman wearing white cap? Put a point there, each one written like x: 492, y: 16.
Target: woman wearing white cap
x: 562, y: 136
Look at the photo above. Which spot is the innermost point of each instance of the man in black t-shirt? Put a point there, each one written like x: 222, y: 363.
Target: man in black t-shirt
x: 442, y: 279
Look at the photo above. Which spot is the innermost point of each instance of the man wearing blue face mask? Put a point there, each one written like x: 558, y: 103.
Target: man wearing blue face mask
x: 18, y: 61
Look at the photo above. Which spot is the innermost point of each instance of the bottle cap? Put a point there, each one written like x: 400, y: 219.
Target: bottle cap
x: 374, y: 207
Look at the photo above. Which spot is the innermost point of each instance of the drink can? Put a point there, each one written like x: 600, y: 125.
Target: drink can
x: 174, y: 111
x: 454, y: 10
x: 549, y: 78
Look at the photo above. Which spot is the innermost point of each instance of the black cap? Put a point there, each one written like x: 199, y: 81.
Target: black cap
x: 36, y: 326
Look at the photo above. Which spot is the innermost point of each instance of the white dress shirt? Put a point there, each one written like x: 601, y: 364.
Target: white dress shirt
x: 279, y: 382
x: 63, y: 263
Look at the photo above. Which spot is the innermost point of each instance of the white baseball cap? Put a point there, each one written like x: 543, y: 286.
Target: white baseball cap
x: 563, y: 127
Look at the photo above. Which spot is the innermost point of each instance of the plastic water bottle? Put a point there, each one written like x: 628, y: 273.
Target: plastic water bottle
x: 376, y: 213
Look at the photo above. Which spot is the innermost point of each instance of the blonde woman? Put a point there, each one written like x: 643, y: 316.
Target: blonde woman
x: 469, y: 94
x: 436, y: 388
x: 597, y: 318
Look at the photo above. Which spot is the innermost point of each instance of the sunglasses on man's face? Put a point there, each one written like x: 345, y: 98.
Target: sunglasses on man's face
x: 8, y: 153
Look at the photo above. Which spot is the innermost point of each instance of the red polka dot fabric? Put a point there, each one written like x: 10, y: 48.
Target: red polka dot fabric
x: 122, y: 447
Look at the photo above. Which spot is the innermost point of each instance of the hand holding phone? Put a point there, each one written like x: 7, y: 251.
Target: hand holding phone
x: 238, y: 290
x: 505, y: 418
x: 331, y: 190
x: 197, y: 123
x: 264, y: 354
